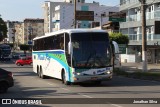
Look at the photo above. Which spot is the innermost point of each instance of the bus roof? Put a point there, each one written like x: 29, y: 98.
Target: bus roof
x: 71, y: 31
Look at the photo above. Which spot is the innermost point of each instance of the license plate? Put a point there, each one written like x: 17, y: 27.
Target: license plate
x: 93, y: 78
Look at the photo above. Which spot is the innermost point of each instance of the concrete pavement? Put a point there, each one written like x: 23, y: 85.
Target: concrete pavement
x: 138, y: 67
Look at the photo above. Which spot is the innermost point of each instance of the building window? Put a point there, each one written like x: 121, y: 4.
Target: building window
x: 79, y: 25
x: 95, y: 24
x: 82, y: 1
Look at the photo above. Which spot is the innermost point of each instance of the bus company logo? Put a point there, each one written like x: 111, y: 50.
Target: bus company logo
x: 6, y: 101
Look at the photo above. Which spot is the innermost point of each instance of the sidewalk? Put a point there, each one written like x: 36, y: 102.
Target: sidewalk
x: 131, y: 67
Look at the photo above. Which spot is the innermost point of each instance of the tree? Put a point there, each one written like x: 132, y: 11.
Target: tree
x: 3, y: 29
x: 119, y: 38
x: 24, y: 47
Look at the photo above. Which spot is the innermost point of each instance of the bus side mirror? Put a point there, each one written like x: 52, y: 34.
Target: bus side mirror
x: 115, y: 47
x: 70, y: 48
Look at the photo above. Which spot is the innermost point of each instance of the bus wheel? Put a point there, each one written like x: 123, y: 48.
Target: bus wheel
x: 64, y: 81
x: 38, y: 73
x: 41, y: 74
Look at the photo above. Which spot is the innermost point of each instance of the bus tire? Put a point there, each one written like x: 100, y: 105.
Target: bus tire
x: 41, y: 73
x: 38, y: 72
x: 64, y: 81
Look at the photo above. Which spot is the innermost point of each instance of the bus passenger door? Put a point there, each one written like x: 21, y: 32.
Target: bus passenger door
x: 117, y: 60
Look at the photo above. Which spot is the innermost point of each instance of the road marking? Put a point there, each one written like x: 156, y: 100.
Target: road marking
x: 49, y: 84
x: 116, y: 105
x: 85, y: 95
x: 65, y: 89
x: 78, y: 93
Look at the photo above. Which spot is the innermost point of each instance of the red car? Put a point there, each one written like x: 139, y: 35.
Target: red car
x: 24, y: 61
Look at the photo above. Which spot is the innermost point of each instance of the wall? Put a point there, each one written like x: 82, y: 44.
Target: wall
x: 128, y: 58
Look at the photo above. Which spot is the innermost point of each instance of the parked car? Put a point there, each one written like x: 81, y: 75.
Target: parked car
x: 6, y: 80
x: 22, y: 56
x: 24, y: 61
x: 15, y: 56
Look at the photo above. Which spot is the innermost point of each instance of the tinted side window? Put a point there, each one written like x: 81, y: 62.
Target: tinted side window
x: 61, y: 41
x: 66, y: 41
x: 34, y: 46
x: 48, y: 43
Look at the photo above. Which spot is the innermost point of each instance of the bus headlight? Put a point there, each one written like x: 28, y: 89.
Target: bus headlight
x: 76, y: 73
x: 108, y: 72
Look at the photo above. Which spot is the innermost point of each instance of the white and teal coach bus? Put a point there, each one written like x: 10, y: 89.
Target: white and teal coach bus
x: 74, y: 55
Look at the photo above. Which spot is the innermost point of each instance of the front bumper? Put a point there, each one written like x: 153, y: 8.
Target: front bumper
x: 84, y: 78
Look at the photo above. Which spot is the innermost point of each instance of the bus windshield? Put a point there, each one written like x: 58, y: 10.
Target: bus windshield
x: 91, y: 50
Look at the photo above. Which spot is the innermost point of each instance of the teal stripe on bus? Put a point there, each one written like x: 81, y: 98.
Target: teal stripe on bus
x: 49, y: 54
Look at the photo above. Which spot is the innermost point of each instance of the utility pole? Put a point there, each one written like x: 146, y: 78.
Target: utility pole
x: 144, y: 41
x: 75, y: 6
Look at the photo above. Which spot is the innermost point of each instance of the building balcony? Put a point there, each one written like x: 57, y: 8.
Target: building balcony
x: 135, y: 20
x: 149, y: 15
x: 128, y: 4
x: 56, y: 21
x: 136, y: 39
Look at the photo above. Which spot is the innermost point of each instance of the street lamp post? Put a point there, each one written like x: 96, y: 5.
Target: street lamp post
x: 75, y: 6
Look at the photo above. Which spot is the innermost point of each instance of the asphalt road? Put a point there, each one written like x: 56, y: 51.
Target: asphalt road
x: 28, y: 85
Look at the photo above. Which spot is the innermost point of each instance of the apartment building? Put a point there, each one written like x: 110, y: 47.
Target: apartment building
x: 19, y: 37
x: 23, y: 30
x: 132, y: 28
x: 10, y: 27
x: 60, y: 15
x: 49, y: 10
x: 32, y: 28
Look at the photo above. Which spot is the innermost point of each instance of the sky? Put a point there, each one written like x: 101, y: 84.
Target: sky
x: 18, y: 10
